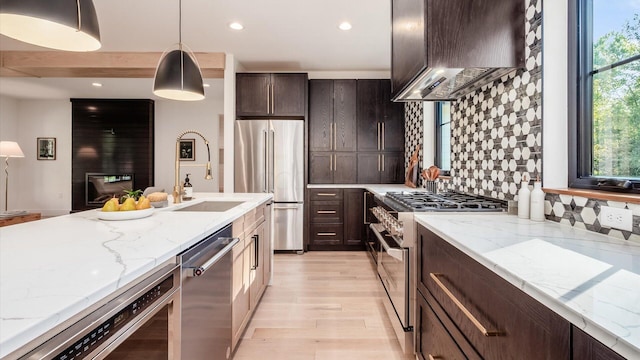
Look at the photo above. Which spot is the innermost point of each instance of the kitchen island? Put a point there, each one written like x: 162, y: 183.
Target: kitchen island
x: 54, y: 269
x: 589, y: 279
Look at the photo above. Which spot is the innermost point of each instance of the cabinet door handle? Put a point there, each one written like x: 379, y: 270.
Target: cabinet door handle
x: 331, y: 136
x: 364, y: 208
x: 257, y: 251
x: 335, y: 137
x: 382, y: 137
x: 335, y: 162
x: 378, y: 138
x: 326, y: 234
x: 378, y: 162
x: 382, y: 162
x: 266, y: 159
x: 330, y: 163
x: 326, y: 194
x: 273, y: 99
x: 268, y: 98
x: 325, y: 212
x: 462, y: 308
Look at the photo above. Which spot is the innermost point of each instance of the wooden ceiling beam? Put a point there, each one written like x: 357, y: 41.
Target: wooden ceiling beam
x: 96, y: 64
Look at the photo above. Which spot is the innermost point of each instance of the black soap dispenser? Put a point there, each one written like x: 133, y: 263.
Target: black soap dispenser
x: 188, y: 189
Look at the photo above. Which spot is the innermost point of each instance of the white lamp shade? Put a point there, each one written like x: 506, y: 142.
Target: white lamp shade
x: 69, y: 25
x: 10, y: 149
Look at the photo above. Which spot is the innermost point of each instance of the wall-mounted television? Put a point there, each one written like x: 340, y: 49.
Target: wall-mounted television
x: 100, y: 187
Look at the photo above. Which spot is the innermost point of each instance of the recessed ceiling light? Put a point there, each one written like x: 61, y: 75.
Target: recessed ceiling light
x: 236, y: 26
x: 345, y: 26
x: 206, y: 85
x: 96, y: 84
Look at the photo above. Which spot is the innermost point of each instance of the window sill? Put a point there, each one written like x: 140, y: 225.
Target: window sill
x: 597, y: 194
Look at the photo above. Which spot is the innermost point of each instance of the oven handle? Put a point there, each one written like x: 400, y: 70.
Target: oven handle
x: 394, y: 253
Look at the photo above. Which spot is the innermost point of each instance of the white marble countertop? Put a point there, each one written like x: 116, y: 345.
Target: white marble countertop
x: 592, y: 280
x: 53, y: 269
x: 378, y: 189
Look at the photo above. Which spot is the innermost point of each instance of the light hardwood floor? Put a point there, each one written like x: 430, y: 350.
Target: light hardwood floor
x: 321, y: 306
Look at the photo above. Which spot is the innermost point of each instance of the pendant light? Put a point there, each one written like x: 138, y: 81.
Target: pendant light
x: 70, y: 25
x: 178, y: 75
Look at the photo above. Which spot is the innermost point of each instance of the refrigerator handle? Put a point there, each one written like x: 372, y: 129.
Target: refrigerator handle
x: 266, y: 159
x: 273, y: 160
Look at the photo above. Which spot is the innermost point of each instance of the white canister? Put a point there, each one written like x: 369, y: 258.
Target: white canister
x: 524, y: 197
x: 537, y: 202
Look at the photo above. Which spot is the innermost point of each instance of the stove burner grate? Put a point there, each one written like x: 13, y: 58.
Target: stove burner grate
x: 448, y: 201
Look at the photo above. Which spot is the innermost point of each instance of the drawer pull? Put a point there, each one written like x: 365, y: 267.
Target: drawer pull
x: 325, y: 212
x: 326, y: 234
x: 462, y: 308
x: 431, y: 357
x: 326, y: 194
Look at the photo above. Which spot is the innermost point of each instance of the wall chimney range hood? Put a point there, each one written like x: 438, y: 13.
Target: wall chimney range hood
x: 444, y: 49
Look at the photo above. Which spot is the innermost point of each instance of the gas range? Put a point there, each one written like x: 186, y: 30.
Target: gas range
x: 422, y: 201
x: 393, y: 245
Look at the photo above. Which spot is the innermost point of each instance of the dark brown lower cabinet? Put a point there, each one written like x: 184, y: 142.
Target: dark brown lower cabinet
x: 433, y: 339
x: 353, y: 217
x: 509, y: 324
x: 336, y: 219
x: 587, y: 348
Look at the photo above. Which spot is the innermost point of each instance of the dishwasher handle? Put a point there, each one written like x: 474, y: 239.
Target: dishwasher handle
x: 200, y: 270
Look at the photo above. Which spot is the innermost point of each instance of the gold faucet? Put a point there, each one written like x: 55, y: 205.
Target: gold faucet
x: 177, y: 189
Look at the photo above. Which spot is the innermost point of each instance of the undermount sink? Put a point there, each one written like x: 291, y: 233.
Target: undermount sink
x: 211, y: 206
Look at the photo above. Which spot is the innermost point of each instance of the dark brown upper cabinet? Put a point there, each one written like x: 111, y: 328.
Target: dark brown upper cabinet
x: 356, y: 134
x: 432, y: 40
x: 380, y: 121
x: 271, y: 95
x: 332, y: 113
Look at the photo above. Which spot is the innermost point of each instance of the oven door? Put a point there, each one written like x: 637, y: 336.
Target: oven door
x: 393, y: 269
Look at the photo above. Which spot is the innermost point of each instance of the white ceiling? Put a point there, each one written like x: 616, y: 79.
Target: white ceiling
x: 279, y: 35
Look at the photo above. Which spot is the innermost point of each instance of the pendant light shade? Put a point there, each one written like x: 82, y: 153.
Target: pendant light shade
x: 178, y: 77
x: 70, y: 25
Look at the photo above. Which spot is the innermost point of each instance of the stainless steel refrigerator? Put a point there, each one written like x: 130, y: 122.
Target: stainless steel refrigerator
x: 269, y: 157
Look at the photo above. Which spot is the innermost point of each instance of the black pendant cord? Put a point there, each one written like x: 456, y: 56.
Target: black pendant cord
x: 180, y: 46
x: 180, y: 25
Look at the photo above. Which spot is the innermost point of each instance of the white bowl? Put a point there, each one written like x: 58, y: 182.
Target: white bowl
x: 124, y: 215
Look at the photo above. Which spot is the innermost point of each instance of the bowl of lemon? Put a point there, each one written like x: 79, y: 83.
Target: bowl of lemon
x: 129, y: 207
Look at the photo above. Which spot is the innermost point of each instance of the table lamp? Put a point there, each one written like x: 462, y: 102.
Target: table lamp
x: 8, y: 149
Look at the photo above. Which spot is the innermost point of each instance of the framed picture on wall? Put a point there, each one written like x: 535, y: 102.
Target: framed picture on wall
x: 188, y: 150
x: 46, y: 148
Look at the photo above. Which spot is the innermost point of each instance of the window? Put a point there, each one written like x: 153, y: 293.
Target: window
x: 605, y: 103
x: 443, y: 136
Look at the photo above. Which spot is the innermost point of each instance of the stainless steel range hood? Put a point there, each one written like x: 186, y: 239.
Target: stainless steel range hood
x: 444, y: 49
x: 442, y: 84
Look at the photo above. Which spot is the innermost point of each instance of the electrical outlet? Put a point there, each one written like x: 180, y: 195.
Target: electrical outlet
x: 616, y: 218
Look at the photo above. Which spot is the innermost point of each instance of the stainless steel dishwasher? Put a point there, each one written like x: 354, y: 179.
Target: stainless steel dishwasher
x: 206, y: 297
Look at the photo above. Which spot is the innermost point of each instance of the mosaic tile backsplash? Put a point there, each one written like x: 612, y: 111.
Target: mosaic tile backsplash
x: 496, y: 131
x: 413, y: 131
x: 581, y: 212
